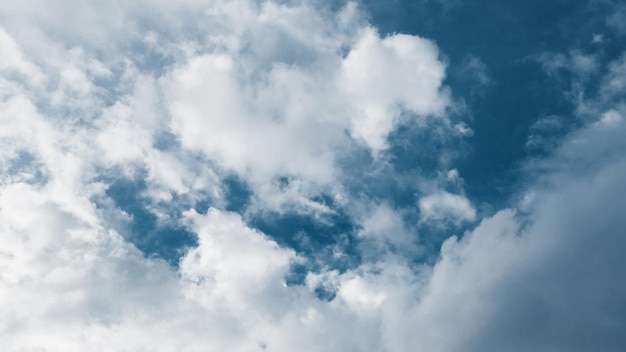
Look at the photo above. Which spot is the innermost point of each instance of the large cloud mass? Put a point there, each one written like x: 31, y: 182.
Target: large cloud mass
x: 181, y: 97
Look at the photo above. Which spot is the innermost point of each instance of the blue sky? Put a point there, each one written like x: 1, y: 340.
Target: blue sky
x: 243, y: 175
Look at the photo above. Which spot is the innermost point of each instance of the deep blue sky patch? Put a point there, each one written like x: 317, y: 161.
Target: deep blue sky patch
x: 507, y: 37
x: 154, y: 238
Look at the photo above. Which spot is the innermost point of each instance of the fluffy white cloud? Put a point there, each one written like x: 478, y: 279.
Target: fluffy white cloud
x: 444, y: 205
x: 71, y: 285
x: 386, y: 77
x: 267, y: 108
x: 383, y: 227
x: 253, y: 90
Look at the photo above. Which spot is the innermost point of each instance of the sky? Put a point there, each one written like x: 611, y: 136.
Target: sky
x: 243, y: 175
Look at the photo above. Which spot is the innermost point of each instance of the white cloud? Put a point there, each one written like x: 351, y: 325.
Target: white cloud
x: 384, y: 227
x: 615, y: 21
x: 386, y: 77
x: 213, y: 117
x: 88, y: 99
x: 576, y: 62
x: 446, y: 206
x: 70, y: 283
x: 615, y: 79
x: 509, y: 284
x: 281, y: 107
x: 14, y: 62
x: 610, y: 118
x: 230, y: 255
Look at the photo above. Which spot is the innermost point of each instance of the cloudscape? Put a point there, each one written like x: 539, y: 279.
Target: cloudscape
x: 370, y: 175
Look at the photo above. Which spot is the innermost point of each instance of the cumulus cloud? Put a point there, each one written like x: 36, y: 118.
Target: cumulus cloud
x: 253, y: 90
x: 71, y: 284
x: 443, y: 205
x: 524, y: 286
x: 384, y: 227
x: 273, y: 110
x: 387, y: 76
